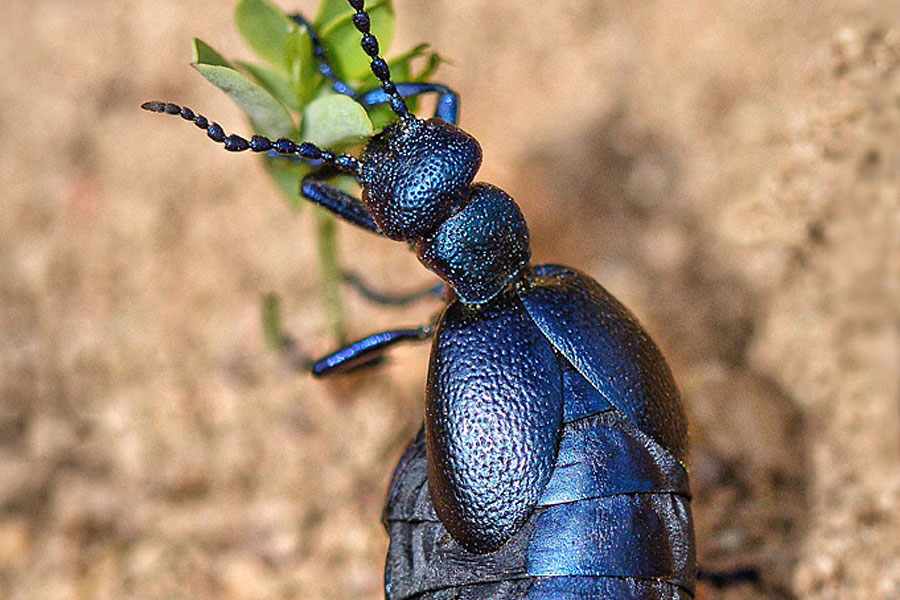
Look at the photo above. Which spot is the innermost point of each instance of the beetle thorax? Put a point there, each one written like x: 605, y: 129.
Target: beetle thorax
x: 481, y: 248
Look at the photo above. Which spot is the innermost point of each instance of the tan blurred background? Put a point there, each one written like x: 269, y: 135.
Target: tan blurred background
x: 728, y: 169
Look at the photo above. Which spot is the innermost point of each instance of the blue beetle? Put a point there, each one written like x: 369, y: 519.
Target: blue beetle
x: 551, y: 464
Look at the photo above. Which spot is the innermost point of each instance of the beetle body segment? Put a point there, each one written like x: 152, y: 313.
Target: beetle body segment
x: 608, y: 346
x: 493, y: 411
x: 613, y: 521
x: 480, y: 249
x: 415, y: 173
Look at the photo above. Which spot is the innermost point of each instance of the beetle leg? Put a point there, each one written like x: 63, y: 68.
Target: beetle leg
x: 366, y: 350
x: 447, y: 104
x: 345, y: 206
x: 373, y: 295
x: 722, y: 579
x: 448, y: 101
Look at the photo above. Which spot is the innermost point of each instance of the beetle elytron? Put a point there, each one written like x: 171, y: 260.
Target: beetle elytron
x: 551, y: 462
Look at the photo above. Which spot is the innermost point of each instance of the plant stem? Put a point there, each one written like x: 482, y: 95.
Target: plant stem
x: 330, y: 272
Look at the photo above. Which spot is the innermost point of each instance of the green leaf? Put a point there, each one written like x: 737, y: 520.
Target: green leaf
x: 265, y: 28
x: 333, y: 119
x: 203, y: 53
x: 342, y: 40
x: 273, y: 82
x: 304, y: 73
x: 434, y: 61
x: 267, y: 114
x: 329, y: 10
x: 382, y: 115
x: 409, y: 55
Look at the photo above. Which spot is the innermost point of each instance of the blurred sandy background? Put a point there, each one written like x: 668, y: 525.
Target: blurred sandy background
x: 728, y: 169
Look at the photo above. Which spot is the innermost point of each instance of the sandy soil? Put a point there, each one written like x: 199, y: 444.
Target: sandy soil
x: 728, y: 169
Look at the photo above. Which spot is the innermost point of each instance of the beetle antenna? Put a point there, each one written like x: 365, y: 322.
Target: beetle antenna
x: 379, y: 66
x: 257, y: 143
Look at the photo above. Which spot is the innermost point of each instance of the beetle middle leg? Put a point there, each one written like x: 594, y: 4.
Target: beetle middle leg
x: 385, y: 299
x: 367, y: 350
x: 315, y: 189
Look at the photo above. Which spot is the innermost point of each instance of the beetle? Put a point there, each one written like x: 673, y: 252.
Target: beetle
x: 551, y: 463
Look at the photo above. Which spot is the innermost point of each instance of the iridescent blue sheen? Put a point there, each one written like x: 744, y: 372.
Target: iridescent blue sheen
x: 482, y: 248
x: 493, y: 411
x: 447, y: 107
x: 607, y: 345
x: 613, y: 521
x: 365, y: 350
x: 415, y: 173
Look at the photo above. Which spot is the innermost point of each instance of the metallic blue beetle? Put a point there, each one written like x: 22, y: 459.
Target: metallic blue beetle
x: 551, y: 463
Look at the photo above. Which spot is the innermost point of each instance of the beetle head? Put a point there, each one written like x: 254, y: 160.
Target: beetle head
x: 414, y: 174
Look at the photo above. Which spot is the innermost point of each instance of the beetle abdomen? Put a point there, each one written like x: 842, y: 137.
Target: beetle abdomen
x: 614, y: 522
x: 616, y: 511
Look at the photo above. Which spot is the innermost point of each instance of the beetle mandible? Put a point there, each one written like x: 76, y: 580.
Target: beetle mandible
x: 554, y: 444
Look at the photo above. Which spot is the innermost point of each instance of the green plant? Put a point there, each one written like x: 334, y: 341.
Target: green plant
x: 284, y: 95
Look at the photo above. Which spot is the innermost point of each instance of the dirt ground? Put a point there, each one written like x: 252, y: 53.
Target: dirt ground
x: 730, y: 170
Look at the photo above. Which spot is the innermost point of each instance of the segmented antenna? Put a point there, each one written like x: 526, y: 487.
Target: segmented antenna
x: 257, y: 143
x: 379, y: 67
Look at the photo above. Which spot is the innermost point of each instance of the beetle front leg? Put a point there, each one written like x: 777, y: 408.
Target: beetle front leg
x: 316, y: 190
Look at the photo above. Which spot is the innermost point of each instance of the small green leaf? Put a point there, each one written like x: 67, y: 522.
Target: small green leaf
x: 382, y: 115
x: 329, y: 10
x: 265, y: 28
x: 273, y: 82
x: 304, y: 72
x: 266, y: 113
x: 434, y: 61
x: 334, y: 119
x: 342, y: 40
x: 409, y: 55
x: 204, y: 54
